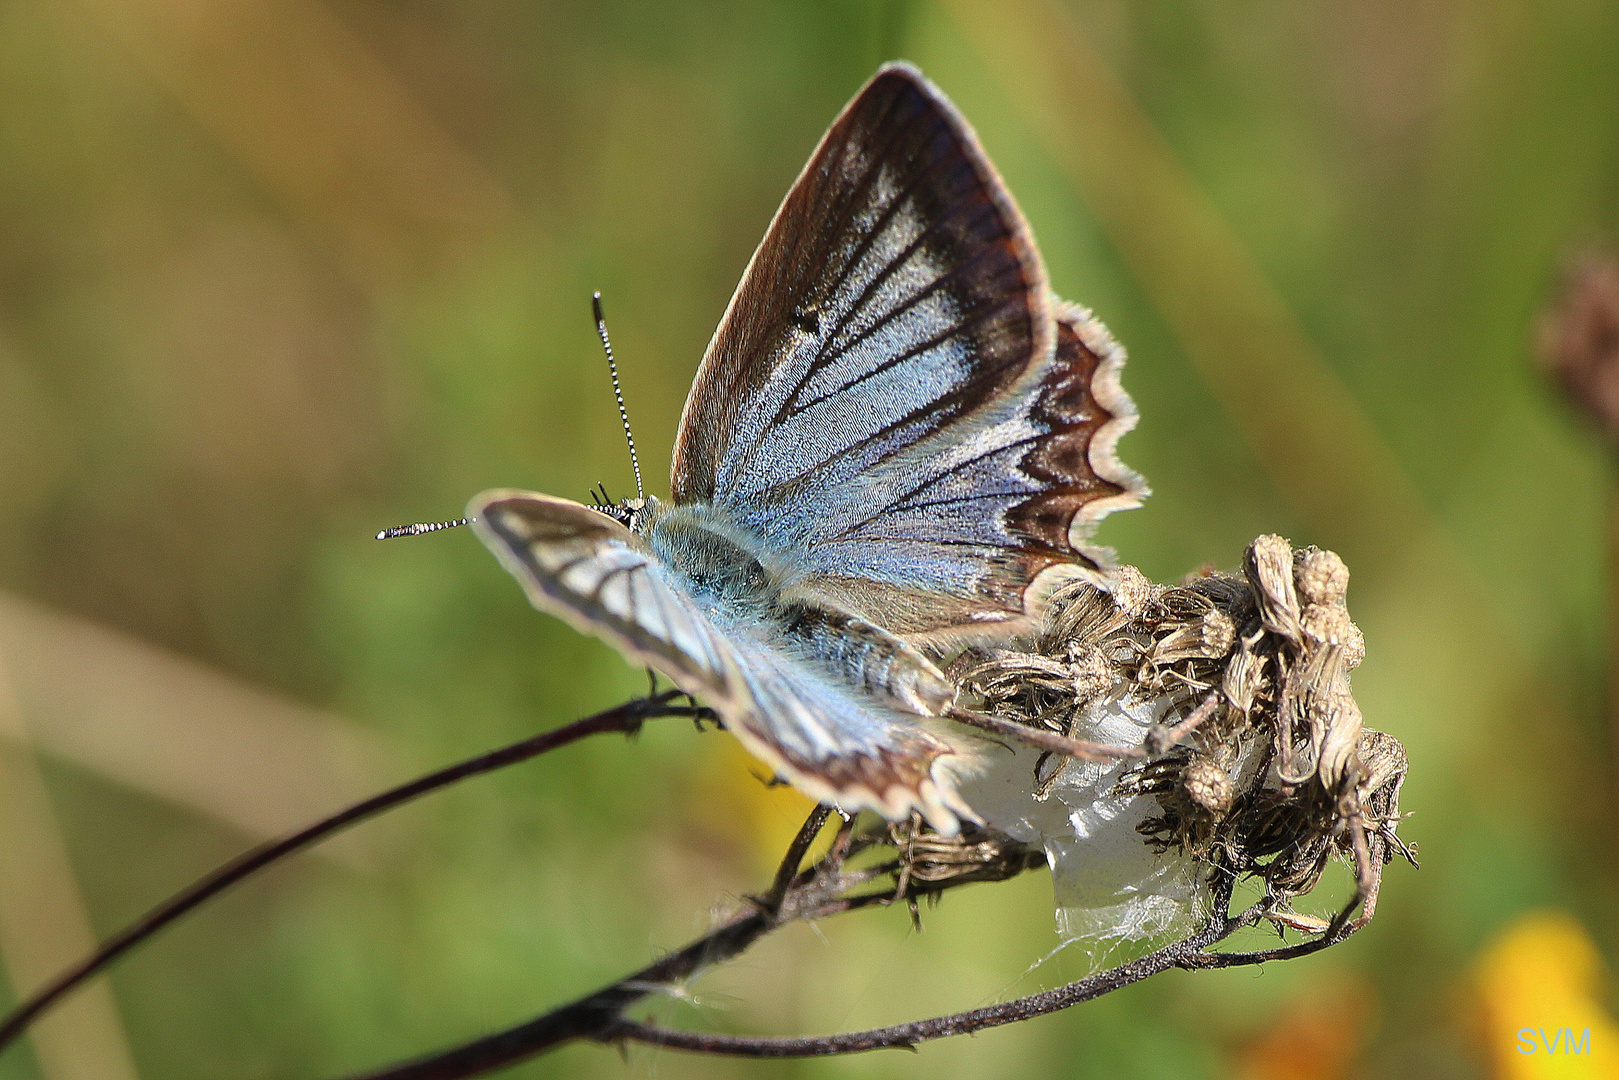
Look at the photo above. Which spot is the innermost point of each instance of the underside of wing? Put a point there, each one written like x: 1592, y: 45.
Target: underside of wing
x: 591, y: 572
x: 962, y: 528
x: 832, y: 740
x: 896, y: 291
x: 841, y: 745
x: 894, y: 398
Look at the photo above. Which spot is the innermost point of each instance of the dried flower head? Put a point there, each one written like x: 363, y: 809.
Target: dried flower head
x: 1579, y: 338
x: 1232, y: 692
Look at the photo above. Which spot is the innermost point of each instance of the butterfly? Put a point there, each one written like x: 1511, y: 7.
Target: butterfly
x: 896, y: 446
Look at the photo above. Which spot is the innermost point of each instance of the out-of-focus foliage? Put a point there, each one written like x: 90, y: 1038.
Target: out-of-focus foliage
x: 277, y: 273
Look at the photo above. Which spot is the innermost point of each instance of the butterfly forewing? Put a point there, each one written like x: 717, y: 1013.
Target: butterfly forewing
x: 895, y: 290
x: 878, y: 396
x: 832, y: 740
x: 589, y: 570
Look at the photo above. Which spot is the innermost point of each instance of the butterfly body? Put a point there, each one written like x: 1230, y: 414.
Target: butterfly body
x: 895, y: 445
x: 746, y: 581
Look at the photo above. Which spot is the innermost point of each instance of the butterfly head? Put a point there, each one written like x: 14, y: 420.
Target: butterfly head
x: 630, y: 513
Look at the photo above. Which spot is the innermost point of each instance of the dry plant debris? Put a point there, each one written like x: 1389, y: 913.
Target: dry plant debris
x: 1578, y: 338
x: 1258, y: 763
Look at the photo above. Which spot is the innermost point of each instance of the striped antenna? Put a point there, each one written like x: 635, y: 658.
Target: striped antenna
x: 420, y: 527
x: 612, y: 368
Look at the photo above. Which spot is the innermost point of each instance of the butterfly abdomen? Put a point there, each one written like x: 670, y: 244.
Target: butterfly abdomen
x: 867, y: 656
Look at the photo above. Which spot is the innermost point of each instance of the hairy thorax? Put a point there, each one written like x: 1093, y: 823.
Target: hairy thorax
x: 720, y: 562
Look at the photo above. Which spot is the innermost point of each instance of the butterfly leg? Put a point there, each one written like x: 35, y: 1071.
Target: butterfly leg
x: 1042, y: 739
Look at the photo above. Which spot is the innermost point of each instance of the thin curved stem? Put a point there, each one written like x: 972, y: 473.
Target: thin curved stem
x: 788, y: 870
x: 1188, y: 952
x: 811, y: 895
x: 626, y: 718
x: 905, y: 1036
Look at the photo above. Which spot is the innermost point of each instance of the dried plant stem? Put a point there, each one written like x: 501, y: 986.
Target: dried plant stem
x: 1161, y: 741
x: 815, y: 893
x: 626, y: 718
x: 1190, y: 953
x: 788, y: 870
x: 811, y: 894
x: 1186, y: 952
x: 587, y: 1016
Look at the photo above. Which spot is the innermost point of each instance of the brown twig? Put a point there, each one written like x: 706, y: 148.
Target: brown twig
x: 1186, y: 952
x: 812, y: 894
x: 626, y: 718
x: 787, y: 872
x: 1190, y: 953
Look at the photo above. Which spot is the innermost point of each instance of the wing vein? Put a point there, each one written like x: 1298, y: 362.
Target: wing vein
x: 955, y: 330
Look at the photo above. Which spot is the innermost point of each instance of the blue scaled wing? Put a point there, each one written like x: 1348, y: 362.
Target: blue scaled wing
x: 894, y: 397
x: 828, y: 738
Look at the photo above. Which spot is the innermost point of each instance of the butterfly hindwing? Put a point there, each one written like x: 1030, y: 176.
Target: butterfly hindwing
x: 989, y: 504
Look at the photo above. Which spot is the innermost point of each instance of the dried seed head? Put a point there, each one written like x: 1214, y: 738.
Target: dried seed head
x: 1237, y: 689
x: 1269, y: 567
x: 1086, y: 613
x: 930, y: 863
x: 1132, y: 591
x: 1579, y: 339
x: 1324, y: 625
x: 1321, y: 577
x: 1207, y: 785
x: 1245, y: 678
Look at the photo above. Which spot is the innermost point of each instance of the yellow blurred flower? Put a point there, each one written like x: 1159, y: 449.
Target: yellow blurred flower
x: 734, y: 800
x: 1538, y: 986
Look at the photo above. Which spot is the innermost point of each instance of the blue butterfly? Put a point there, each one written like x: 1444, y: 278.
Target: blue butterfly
x: 896, y: 446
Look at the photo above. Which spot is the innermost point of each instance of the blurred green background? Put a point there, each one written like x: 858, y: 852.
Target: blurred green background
x: 275, y: 274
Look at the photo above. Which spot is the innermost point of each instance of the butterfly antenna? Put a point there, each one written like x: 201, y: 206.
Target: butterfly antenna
x: 612, y: 368
x: 420, y: 527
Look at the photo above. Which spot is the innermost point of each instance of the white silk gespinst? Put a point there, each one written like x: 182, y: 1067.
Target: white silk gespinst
x: 897, y: 444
